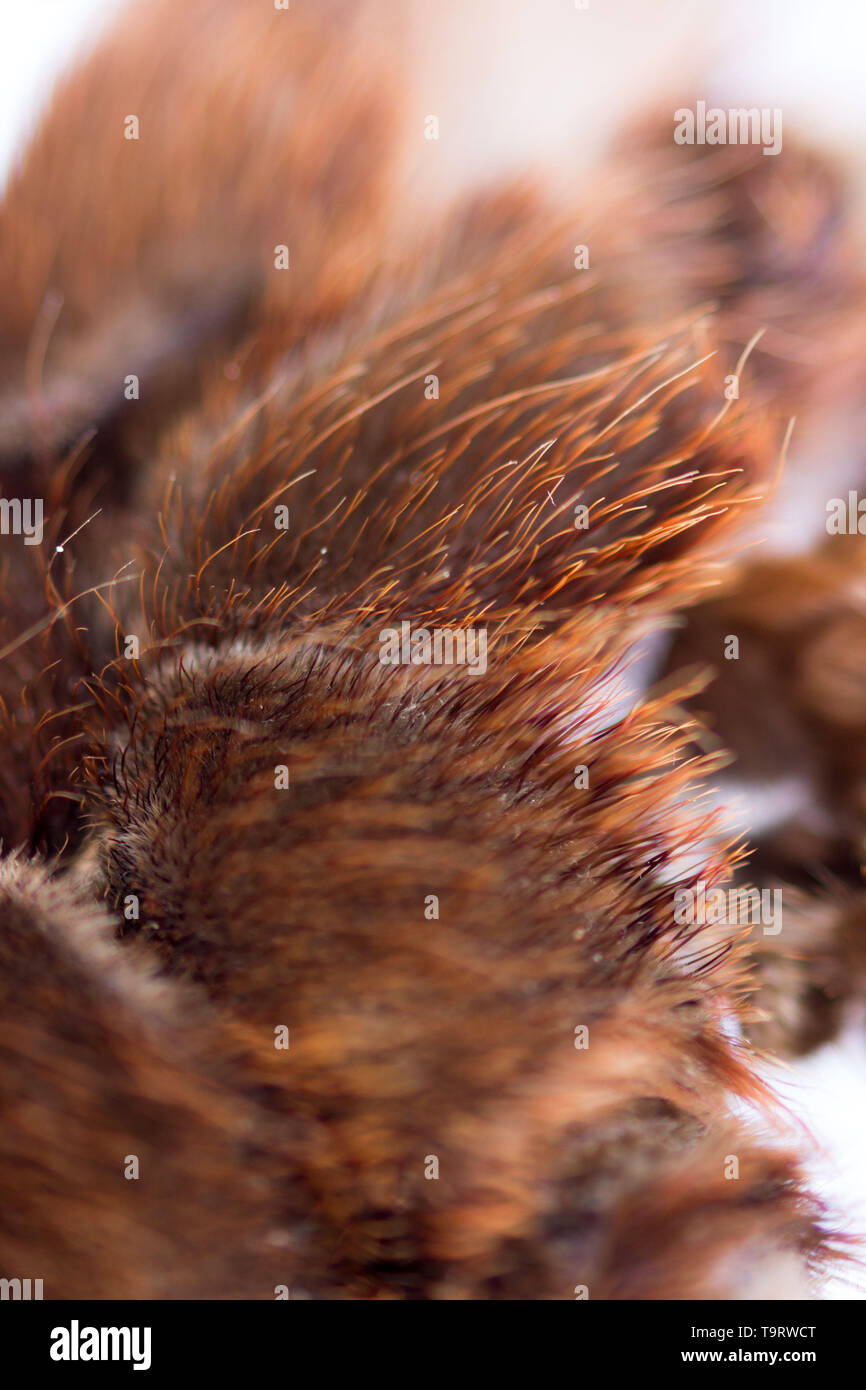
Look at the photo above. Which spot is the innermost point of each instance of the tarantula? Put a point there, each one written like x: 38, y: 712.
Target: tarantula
x: 332, y: 975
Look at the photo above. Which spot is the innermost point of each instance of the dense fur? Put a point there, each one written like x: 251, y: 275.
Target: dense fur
x: 142, y: 788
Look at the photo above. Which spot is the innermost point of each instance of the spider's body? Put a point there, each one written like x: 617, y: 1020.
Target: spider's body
x: 505, y: 1069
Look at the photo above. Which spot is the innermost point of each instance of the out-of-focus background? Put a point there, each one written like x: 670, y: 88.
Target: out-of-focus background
x: 517, y: 81
x: 546, y: 83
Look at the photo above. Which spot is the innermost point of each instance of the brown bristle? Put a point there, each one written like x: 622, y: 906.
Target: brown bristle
x: 370, y: 956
